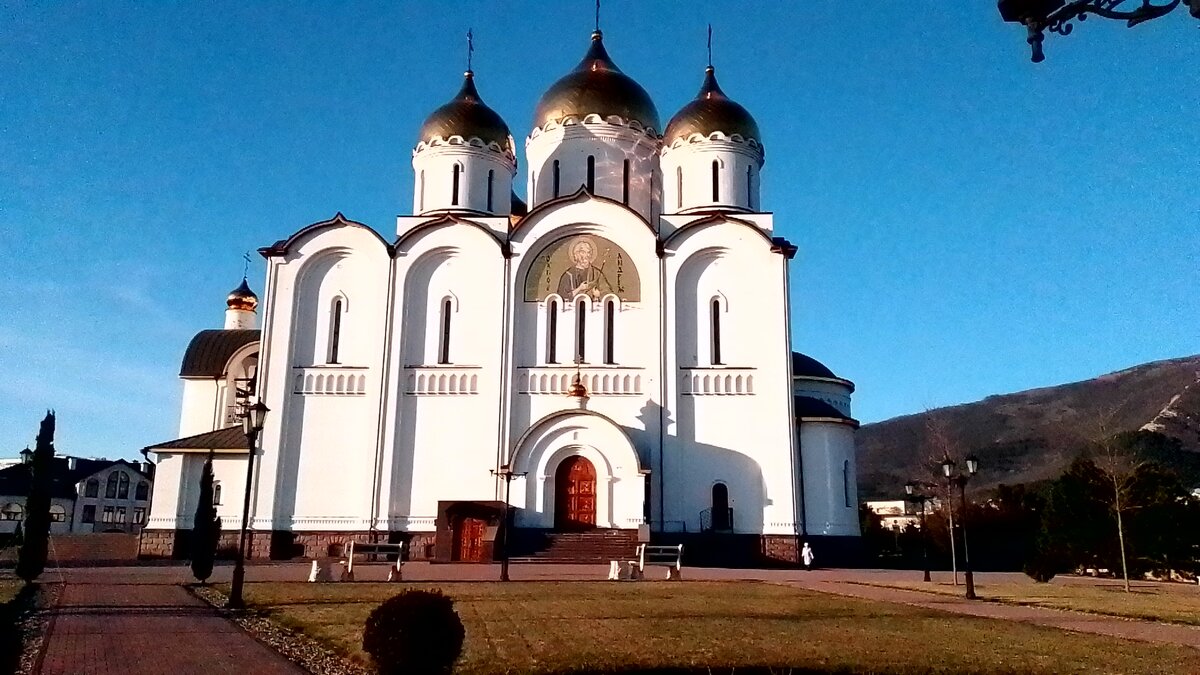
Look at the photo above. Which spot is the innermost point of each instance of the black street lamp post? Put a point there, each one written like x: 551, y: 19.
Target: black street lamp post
x: 1039, y: 16
x: 252, y: 426
x: 922, y: 499
x: 960, y: 479
x: 505, y: 472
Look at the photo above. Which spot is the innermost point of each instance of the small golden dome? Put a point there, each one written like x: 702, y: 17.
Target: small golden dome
x: 242, y: 298
x: 596, y: 86
x: 711, y: 111
x: 577, y: 389
x: 466, y: 115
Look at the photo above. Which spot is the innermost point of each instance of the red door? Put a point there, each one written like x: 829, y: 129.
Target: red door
x: 575, y: 494
x: 468, y: 540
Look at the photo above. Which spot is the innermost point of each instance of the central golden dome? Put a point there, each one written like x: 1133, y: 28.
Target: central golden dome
x: 596, y: 86
x: 466, y: 115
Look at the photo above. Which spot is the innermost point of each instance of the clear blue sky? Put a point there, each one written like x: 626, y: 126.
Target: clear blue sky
x: 969, y: 223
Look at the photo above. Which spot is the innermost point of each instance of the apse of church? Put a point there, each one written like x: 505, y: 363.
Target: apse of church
x: 620, y: 346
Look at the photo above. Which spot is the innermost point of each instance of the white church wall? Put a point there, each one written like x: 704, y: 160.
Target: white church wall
x: 321, y: 442
x: 198, y: 409
x: 733, y: 266
x: 483, y: 184
x: 610, y: 145
x: 830, y: 479
x: 167, y: 491
x: 441, y: 434
x: 688, y: 173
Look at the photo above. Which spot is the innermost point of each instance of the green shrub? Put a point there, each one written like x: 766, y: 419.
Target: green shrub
x: 1041, y: 567
x: 414, y: 632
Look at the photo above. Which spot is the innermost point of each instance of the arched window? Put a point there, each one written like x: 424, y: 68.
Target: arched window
x: 716, y: 331
x: 216, y: 493
x: 625, y: 182
x: 580, y: 331
x: 846, y: 483
x: 454, y: 185
x: 12, y: 511
x: 123, y: 486
x: 335, y: 331
x: 58, y: 514
x: 679, y: 187
x: 716, y: 180
x: 110, y: 487
x: 591, y: 173
x: 444, y: 342
x: 421, y: 191
x: 610, y: 316
x: 143, y: 491
x: 91, y: 488
x: 556, y: 178
x: 552, y: 331
x: 750, y: 187
x: 491, y: 182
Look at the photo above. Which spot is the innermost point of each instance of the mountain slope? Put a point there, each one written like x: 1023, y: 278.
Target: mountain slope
x: 1032, y: 435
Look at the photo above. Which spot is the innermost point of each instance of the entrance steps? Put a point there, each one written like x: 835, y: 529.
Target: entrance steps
x: 587, y: 546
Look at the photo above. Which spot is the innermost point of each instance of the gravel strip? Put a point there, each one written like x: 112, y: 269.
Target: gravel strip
x: 296, y: 647
x: 34, y: 624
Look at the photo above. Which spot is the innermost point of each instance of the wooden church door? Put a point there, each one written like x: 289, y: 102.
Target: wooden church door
x: 575, y: 494
x: 468, y: 542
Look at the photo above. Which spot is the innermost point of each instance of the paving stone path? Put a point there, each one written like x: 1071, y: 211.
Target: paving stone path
x: 118, y: 622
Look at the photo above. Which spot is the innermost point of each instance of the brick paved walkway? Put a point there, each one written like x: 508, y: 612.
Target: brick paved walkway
x: 117, y: 621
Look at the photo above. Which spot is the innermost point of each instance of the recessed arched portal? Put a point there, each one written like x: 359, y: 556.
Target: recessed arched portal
x: 575, y: 494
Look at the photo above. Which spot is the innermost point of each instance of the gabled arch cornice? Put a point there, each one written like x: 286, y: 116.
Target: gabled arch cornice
x: 578, y: 197
x: 777, y: 244
x: 448, y: 219
x: 282, y: 246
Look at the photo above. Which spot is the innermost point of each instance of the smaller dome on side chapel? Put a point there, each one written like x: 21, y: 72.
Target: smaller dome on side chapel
x: 242, y: 298
x: 711, y: 111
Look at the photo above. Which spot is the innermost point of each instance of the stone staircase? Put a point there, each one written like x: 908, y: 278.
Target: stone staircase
x: 589, y: 546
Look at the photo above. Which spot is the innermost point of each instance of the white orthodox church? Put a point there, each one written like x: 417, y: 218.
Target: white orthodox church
x: 619, y: 350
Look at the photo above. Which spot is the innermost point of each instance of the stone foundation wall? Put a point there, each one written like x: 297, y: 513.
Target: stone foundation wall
x: 279, y: 544
x: 781, y: 549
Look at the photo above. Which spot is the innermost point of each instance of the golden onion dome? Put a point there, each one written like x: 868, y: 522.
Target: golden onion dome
x: 466, y: 115
x: 711, y: 111
x: 242, y: 298
x: 596, y: 86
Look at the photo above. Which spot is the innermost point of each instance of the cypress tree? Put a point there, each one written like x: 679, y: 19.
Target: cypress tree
x: 206, y: 526
x: 31, y: 559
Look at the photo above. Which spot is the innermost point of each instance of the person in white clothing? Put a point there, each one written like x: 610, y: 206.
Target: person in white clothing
x: 806, y: 554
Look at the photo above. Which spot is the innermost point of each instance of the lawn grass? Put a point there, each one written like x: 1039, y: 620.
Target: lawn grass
x: 1170, y: 603
x: 9, y: 589
x: 555, y: 627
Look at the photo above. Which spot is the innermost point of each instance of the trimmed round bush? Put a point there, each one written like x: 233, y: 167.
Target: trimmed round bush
x: 1041, y: 568
x: 414, y: 632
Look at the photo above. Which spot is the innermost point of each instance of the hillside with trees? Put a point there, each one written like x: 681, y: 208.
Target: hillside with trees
x: 1031, y: 437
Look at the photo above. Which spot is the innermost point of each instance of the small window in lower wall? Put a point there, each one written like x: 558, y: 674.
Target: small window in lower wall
x: 58, y: 514
x: 88, y: 515
x: 107, y: 515
x: 120, y: 514
x: 139, y: 515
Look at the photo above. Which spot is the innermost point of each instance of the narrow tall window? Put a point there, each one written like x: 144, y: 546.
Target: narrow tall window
x: 625, y: 183
x: 216, y: 493
x: 591, y: 173
x: 110, y: 487
x: 750, y: 187
x: 552, y: 332
x: 716, y: 181
x: 556, y: 178
x: 421, y: 191
x: 454, y: 185
x: 92, y: 488
x: 123, y: 486
x: 846, y: 482
x: 580, y: 330
x: 444, y: 345
x: 679, y: 187
x: 335, y: 331
x: 610, y: 315
x: 716, y: 332
x: 143, y: 491
x: 491, y: 181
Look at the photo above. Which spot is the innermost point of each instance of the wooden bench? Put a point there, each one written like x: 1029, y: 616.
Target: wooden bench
x: 670, y: 557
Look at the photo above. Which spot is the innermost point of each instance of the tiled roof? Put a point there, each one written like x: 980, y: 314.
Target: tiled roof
x: 229, y: 438
x: 210, y: 351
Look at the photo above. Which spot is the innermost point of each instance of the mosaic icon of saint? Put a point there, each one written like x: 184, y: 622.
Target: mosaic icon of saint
x: 583, y: 276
